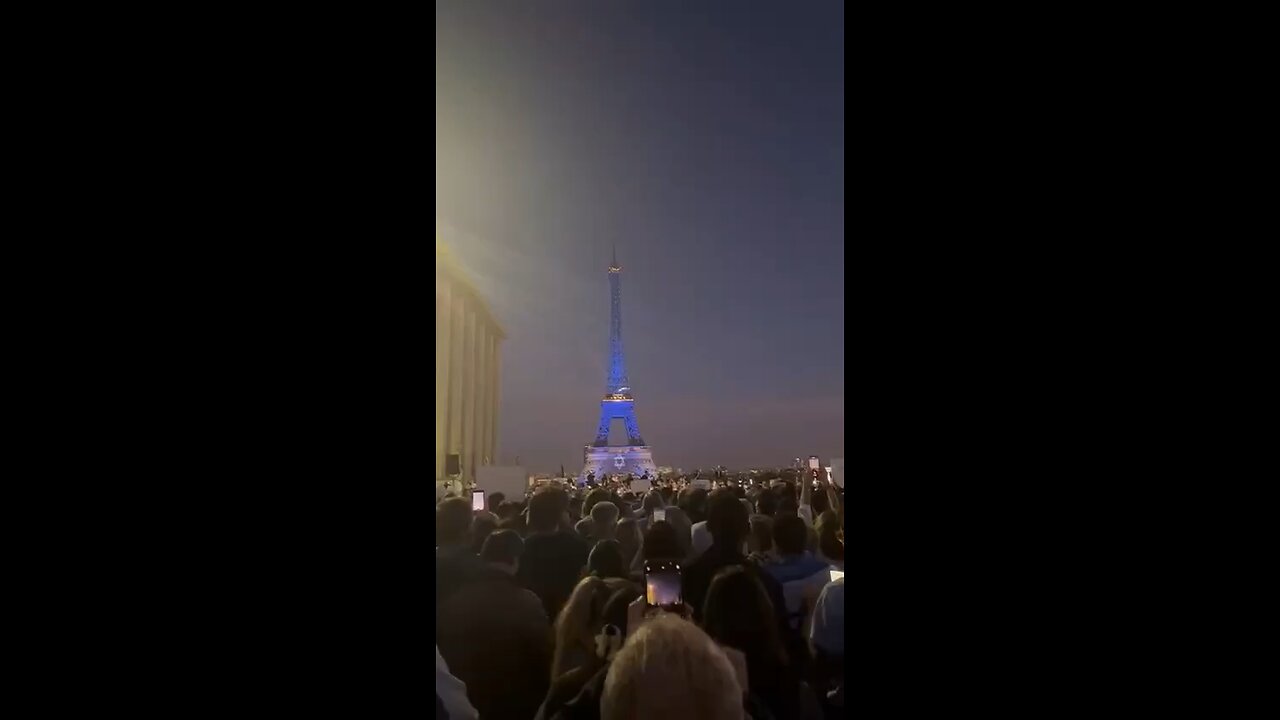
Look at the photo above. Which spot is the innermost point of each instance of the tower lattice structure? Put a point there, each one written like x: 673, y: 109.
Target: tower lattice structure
x: 618, y: 401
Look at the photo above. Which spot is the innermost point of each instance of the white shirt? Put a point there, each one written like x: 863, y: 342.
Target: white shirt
x: 701, y: 538
x: 827, y: 631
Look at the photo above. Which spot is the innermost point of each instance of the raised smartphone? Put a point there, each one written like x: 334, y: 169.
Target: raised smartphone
x: 663, y: 586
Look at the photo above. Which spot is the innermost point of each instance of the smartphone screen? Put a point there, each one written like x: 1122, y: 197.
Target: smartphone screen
x: 477, y: 499
x: 659, y: 515
x: 813, y: 462
x: 836, y: 575
x: 663, y: 586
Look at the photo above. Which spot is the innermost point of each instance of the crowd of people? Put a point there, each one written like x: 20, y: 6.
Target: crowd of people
x: 542, y: 610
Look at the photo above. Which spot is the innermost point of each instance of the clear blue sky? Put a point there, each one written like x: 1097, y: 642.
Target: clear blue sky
x: 705, y: 139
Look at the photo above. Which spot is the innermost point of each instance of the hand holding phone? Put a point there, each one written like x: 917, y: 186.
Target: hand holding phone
x: 639, y: 612
x: 477, y: 500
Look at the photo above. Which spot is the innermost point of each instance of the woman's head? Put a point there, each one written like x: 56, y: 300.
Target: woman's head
x: 661, y: 543
x: 481, y: 525
x: 789, y: 534
x: 548, y: 509
x: 819, y: 502
x: 495, y: 499
x: 829, y: 543
x: 453, y: 523
x: 653, y: 500
x: 614, y: 628
x: 581, y: 619
x: 767, y: 502
x: 669, y: 668
x: 628, y: 535
x: 593, y: 497
x: 761, y: 539
x: 515, y: 523
x: 739, y: 614
x: 606, y: 561
x: 694, y: 503
x: 502, y: 548
x: 683, y: 527
x: 727, y: 519
x: 604, y: 519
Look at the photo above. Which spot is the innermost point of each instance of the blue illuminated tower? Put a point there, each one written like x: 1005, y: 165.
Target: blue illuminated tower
x: 618, y: 402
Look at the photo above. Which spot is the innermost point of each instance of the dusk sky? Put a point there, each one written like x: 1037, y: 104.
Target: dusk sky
x: 705, y: 140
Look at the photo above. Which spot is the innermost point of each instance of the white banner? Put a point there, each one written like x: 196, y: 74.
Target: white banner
x: 510, y: 480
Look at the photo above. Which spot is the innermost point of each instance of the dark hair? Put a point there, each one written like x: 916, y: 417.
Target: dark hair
x: 453, y: 521
x: 819, y: 502
x: 694, y: 503
x: 545, y: 508
x: 827, y: 524
x: 495, y: 499
x: 593, y: 497
x: 652, y: 501
x: 727, y: 518
x: 762, y: 533
x: 481, y: 526
x: 508, y: 509
x: 605, y: 560
x: 787, y: 504
x: 515, y: 523
x: 615, y: 608
x: 661, y: 542
x: 767, y: 503
x: 502, y: 546
x: 790, y: 534
x: 740, y: 615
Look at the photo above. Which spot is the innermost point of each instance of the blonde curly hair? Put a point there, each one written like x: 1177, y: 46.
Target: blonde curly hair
x: 580, y: 620
x: 671, y: 669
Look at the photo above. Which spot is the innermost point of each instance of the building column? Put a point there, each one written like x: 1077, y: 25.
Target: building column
x: 443, y: 325
x: 469, y: 393
x: 495, y: 362
x: 454, y: 438
x: 486, y: 428
x: 482, y: 385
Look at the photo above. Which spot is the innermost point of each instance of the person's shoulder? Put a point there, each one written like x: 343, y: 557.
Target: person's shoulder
x: 571, y: 540
x: 832, y: 591
x: 767, y: 577
x: 528, y: 607
x: 698, y: 565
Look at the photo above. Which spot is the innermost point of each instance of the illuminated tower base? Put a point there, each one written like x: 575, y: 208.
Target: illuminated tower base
x: 622, y: 460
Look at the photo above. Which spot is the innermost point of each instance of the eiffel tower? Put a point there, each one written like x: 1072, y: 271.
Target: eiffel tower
x: 618, y: 403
